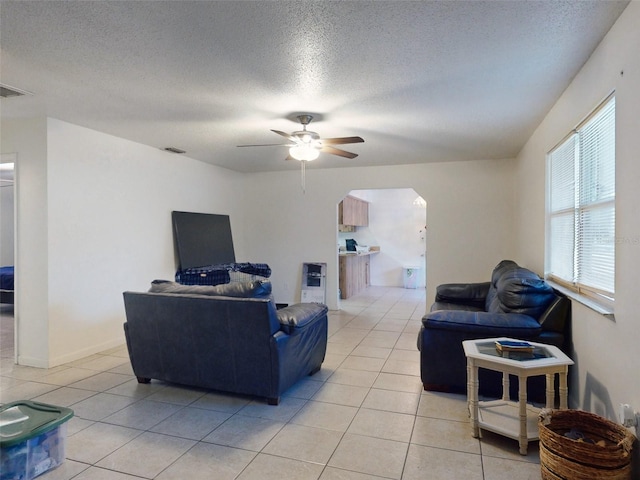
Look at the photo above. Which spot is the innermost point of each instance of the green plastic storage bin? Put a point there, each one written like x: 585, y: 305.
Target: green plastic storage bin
x: 32, y: 438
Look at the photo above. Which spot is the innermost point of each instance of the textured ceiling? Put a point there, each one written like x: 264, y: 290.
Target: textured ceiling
x: 420, y: 81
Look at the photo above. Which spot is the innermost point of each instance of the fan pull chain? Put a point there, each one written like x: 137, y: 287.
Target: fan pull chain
x: 304, y: 190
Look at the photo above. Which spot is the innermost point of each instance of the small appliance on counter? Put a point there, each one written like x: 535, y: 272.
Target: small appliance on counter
x: 351, y: 245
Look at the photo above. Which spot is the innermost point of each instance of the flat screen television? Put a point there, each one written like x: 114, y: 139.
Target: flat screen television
x: 202, y: 239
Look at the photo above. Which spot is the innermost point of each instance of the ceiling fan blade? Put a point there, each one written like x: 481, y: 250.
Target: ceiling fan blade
x: 289, y: 157
x: 337, y: 151
x: 286, y: 135
x: 269, y: 145
x: 341, y: 140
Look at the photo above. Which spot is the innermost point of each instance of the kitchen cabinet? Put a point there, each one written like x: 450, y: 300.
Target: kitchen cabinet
x: 354, y: 273
x: 353, y: 211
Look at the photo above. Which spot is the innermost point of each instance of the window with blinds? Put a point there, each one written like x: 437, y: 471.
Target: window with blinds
x: 581, y: 206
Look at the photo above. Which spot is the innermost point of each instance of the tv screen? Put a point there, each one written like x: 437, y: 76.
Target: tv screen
x: 202, y: 239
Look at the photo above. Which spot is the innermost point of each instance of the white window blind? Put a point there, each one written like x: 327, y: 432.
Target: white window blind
x: 581, y: 213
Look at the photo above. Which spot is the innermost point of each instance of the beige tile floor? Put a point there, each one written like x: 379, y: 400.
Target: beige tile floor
x: 364, y: 416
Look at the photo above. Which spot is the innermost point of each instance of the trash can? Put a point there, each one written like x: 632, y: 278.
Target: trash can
x: 32, y: 438
x: 410, y: 276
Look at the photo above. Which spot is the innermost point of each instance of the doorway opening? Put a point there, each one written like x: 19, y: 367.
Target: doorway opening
x: 7, y: 256
x: 394, y: 238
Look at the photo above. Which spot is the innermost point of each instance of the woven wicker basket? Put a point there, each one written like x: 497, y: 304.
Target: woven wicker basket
x: 562, y: 458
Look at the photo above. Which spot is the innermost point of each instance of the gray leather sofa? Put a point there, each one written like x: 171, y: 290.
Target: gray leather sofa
x: 516, y: 303
x: 227, y: 337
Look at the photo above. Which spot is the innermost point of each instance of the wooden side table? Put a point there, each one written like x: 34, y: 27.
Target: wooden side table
x: 516, y: 420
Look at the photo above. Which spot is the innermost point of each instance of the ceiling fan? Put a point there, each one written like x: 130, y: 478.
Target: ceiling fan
x: 305, y: 145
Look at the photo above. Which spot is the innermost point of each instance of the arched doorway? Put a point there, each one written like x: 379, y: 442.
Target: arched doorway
x: 397, y: 219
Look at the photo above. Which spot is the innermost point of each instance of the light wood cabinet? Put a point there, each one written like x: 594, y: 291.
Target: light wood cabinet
x: 354, y: 274
x: 353, y: 211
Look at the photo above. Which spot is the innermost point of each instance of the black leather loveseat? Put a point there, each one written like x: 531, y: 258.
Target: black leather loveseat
x: 516, y: 303
x: 228, y: 337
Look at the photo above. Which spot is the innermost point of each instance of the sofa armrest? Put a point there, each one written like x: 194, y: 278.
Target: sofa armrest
x: 481, y: 324
x: 300, y: 315
x: 556, y: 317
x: 472, y: 294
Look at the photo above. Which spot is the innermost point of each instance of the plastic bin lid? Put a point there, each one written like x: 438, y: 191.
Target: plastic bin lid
x: 24, y: 419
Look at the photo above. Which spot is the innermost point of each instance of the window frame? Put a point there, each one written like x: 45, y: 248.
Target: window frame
x: 592, y: 296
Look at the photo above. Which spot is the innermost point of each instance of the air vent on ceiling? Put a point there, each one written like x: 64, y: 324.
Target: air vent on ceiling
x: 6, y: 91
x: 174, y: 150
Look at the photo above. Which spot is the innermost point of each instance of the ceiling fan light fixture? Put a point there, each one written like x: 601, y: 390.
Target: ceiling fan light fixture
x: 304, y: 152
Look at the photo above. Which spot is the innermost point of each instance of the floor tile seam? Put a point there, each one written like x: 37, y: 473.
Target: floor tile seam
x: 526, y: 459
x: 225, y: 445
x: 28, y: 380
x: 271, y: 418
x: 238, y: 414
x: 343, y: 404
x: 101, y: 357
x: 94, y: 393
x: 357, y: 472
x: 181, y: 404
x: 112, y: 413
x: 378, y: 438
x: 353, y: 355
x: 431, y: 417
x: 108, y: 370
x: 355, y: 370
x: 111, y: 469
x: 478, y: 453
x: 63, y: 386
x: 343, y: 434
x: 406, y: 453
x: 391, y: 324
x: 95, y: 464
x: 262, y: 452
x: 195, y: 445
x: 102, y: 390
x: 353, y: 343
x: 388, y: 411
x: 205, y: 409
x: 96, y: 372
x: 182, y: 407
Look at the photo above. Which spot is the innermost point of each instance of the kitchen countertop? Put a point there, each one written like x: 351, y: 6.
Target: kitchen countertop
x: 349, y: 254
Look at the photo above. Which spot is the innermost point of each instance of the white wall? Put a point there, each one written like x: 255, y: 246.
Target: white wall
x: 108, y: 218
x: 607, y: 353
x: 469, y: 232
x: 396, y: 225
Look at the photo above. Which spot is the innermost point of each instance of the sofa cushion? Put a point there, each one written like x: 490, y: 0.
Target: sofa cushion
x: 253, y: 289
x: 483, y: 324
x: 299, y: 315
x: 455, y: 306
x: 521, y: 291
x: 472, y: 295
x: 498, y: 271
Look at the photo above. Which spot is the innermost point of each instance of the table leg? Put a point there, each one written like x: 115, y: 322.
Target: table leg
x: 505, y: 387
x: 563, y: 390
x: 551, y: 390
x: 522, y: 404
x: 472, y: 396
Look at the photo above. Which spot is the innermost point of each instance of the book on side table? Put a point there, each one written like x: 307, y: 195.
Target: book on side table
x: 513, y: 346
